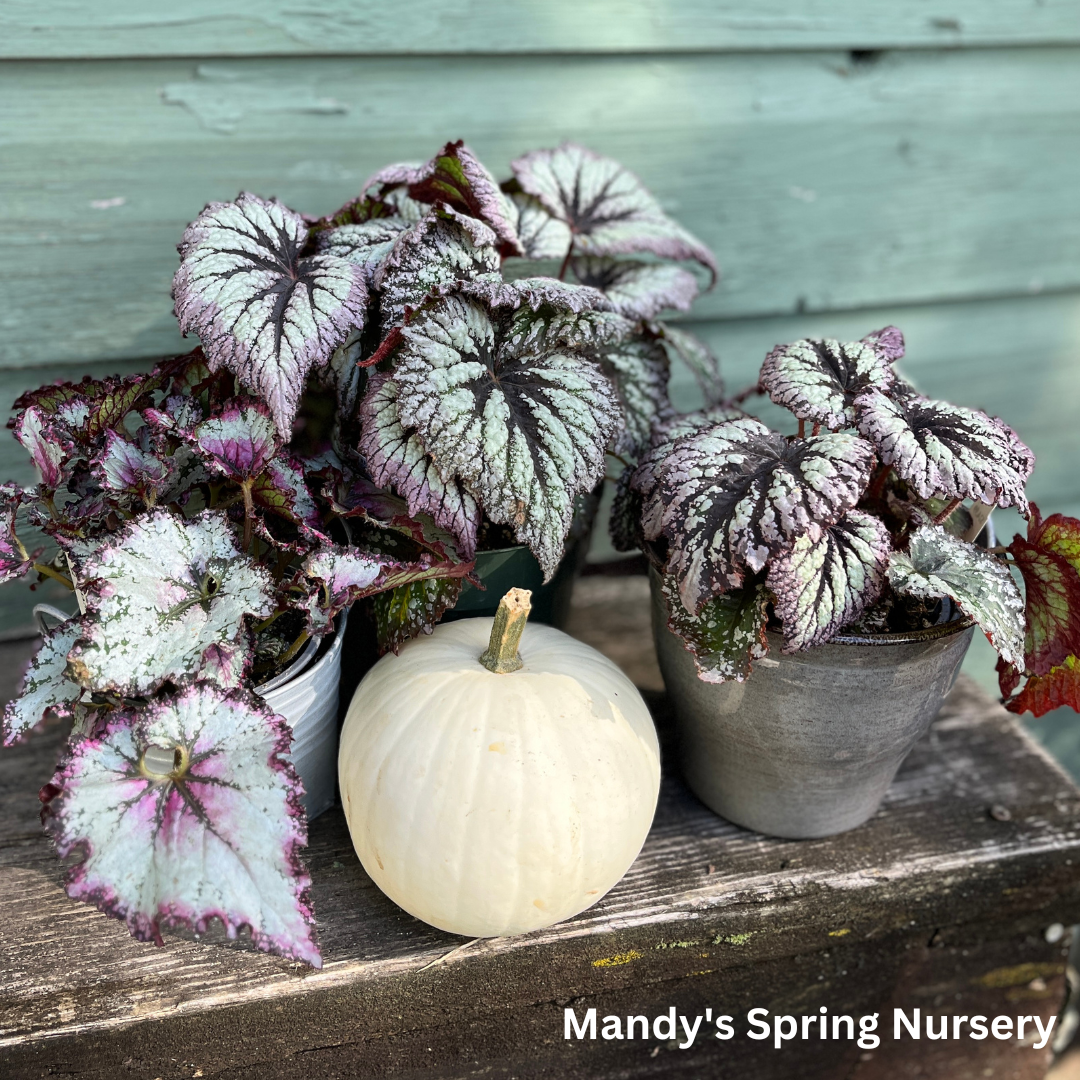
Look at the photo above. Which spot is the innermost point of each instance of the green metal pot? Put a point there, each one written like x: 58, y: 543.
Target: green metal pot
x: 517, y: 568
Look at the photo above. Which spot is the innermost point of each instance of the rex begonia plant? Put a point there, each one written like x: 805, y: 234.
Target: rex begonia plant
x: 469, y: 382
x: 204, y: 555
x: 857, y: 525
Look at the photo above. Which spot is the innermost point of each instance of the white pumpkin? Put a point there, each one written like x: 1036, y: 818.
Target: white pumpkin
x: 491, y: 802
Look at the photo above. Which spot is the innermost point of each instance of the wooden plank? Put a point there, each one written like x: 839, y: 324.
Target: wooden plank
x: 68, y: 28
x: 823, y: 184
x: 708, y: 915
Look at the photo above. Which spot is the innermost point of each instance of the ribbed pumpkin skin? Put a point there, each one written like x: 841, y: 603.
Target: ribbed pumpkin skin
x: 489, y: 804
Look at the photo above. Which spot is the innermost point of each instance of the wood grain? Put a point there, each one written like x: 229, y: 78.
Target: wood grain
x: 822, y: 182
x: 708, y: 912
x: 67, y: 28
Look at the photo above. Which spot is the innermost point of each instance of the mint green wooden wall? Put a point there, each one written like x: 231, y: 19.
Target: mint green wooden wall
x: 851, y: 163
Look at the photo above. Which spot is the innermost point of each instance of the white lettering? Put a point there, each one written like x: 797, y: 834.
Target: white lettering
x: 978, y: 1027
x: 900, y: 1017
x: 1002, y: 1027
x: 691, y: 1032
x: 867, y: 1026
x: 724, y: 1030
x: 668, y: 1019
x: 1044, y: 1031
x: 587, y: 1024
x: 753, y: 1018
x: 612, y: 1028
x: 784, y: 1028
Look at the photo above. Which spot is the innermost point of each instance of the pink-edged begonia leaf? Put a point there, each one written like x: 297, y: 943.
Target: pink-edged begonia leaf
x: 261, y: 309
x: 818, y: 379
x: 125, y: 467
x: 185, y: 811
x: 508, y: 404
x: 607, y: 208
x: 240, y: 441
x: 15, y: 560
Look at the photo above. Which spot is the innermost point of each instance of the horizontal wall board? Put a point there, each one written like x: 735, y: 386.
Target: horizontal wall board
x: 71, y: 28
x: 821, y: 184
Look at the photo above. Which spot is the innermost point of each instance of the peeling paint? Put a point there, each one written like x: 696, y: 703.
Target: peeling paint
x: 220, y: 98
x: 839, y: 933
x: 733, y: 939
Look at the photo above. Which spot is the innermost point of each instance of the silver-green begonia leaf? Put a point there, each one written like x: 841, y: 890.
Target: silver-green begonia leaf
x: 542, y: 236
x: 159, y: 596
x: 345, y: 377
x: 439, y: 250
x: 366, y: 244
x: 46, y: 686
x: 396, y: 458
x: 638, y: 367
x: 937, y: 565
x: 947, y: 451
x: 818, y: 379
x: 697, y: 356
x: 737, y: 495
x: 260, y: 309
x: 185, y: 811
x: 520, y: 418
x: 638, y: 290
x: 726, y: 636
x: 608, y: 209
x: 822, y: 585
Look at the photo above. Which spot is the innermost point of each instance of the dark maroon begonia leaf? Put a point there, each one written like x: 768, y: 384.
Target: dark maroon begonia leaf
x: 737, y: 495
x: 946, y: 451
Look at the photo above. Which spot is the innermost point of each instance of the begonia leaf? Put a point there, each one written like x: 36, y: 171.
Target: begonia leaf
x: 1049, y: 562
x: 818, y: 379
x: 697, y: 356
x: 15, y: 560
x: 888, y: 342
x: 185, y: 811
x: 822, y: 585
x: 261, y: 310
x: 455, y: 178
x: 624, y: 520
x: 281, y: 488
x: 533, y: 293
x: 541, y: 236
x: 413, y: 609
x: 736, y: 495
x: 396, y: 458
x: 47, y: 451
x: 1042, y: 693
x: 638, y: 290
x: 503, y: 406
x: 726, y: 636
x: 436, y: 251
x: 608, y: 209
x: 179, y: 414
x: 365, y: 244
x: 638, y: 368
x: 46, y: 686
x: 343, y: 577
x: 240, y: 442
x: 124, y: 467
x: 946, y: 451
x: 937, y: 564
x: 160, y: 594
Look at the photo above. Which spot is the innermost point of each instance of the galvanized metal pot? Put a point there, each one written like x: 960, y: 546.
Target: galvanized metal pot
x: 307, y: 697
x: 809, y: 743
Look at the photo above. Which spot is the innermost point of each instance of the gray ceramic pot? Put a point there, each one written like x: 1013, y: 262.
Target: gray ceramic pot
x: 809, y: 743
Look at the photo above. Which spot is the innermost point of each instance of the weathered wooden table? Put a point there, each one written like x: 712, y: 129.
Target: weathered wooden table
x: 935, y: 904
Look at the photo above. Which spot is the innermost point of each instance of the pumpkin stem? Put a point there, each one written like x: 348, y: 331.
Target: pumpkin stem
x: 501, y: 655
